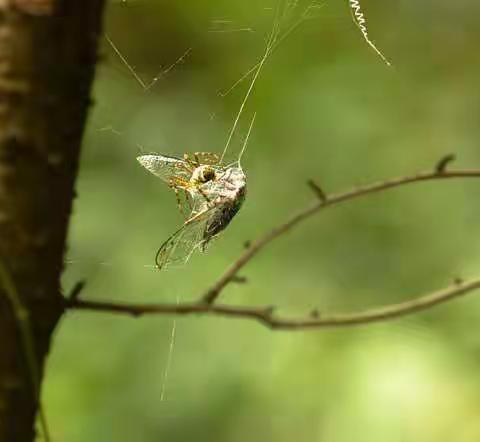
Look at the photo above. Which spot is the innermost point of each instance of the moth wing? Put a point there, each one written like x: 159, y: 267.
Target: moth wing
x: 168, y: 169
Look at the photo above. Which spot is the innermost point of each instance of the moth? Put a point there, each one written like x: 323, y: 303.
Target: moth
x: 208, y: 194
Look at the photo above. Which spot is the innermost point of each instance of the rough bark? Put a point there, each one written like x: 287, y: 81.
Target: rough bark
x: 47, y: 59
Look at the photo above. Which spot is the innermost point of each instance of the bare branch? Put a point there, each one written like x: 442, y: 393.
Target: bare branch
x: 265, y: 314
x: 214, y: 291
x: 314, y: 319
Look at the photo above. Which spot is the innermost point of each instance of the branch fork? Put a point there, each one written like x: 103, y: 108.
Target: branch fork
x: 207, y: 303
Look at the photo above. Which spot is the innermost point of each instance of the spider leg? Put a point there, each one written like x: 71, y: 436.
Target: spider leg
x: 207, y: 199
x: 203, y: 245
x: 207, y: 158
x: 187, y: 165
x: 193, y: 162
x: 188, y: 198
x: 179, y: 201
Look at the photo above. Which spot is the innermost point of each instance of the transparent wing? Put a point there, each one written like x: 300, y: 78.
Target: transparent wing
x: 178, y: 248
x: 185, y: 203
x: 169, y: 169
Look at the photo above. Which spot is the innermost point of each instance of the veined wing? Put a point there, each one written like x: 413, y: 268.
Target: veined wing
x: 168, y: 169
x: 178, y: 248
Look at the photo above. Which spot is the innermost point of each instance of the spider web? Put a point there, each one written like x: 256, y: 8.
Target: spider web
x: 177, y: 249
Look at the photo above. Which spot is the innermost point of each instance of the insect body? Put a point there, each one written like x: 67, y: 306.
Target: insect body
x: 208, y: 194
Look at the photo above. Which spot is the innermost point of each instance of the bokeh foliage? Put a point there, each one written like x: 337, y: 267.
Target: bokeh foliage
x: 327, y: 108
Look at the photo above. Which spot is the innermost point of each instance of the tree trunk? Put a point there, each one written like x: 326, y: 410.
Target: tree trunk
x: 47, y: 60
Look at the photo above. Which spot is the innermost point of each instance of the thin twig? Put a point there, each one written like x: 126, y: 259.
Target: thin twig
x: 240, y: 279
x: 76, y: 290
x: 317, y: 190
x: 214, y: 291
x: 266, y: 316
x: 442, y: 164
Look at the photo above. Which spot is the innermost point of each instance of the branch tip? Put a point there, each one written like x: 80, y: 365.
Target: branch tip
x: 239, y: 279
x: 317, y: 190
x: 442, y: 164
x: 76, y: 290
x: 269, y: 310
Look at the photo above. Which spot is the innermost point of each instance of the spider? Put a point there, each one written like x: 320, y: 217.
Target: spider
x: 212, y: 196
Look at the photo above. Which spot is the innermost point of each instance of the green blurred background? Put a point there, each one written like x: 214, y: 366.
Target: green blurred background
x: 329, y: 109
